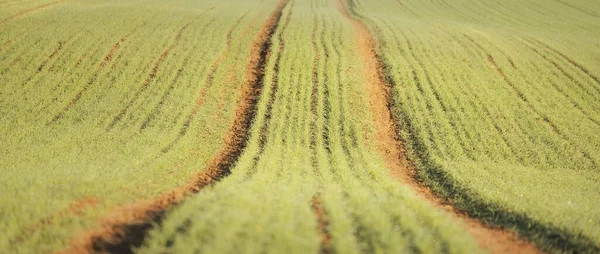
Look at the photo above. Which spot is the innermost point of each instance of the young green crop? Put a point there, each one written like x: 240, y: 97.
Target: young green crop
x: 499, y: 102
x: 104, y: 103
x: 310, y: 147
x: 70, y: 69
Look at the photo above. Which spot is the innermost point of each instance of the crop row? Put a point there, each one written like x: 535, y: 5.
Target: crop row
x: 501, y: 116
x: 310, y: 178
x: 96, y: 99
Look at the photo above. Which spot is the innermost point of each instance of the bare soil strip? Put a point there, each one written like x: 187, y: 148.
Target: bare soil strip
x: 127, y: 227
x: 28, y: 11
x: 323, y: 223
x: 391, y: 146
x: 264, y: 127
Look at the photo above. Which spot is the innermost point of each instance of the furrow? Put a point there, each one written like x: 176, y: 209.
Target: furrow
x: 565, y: 57
x: 405, y: 7
x: 341, y: 124
x: 172, y: 85
x: 43, y: 65
x: 519, y: 94
x: 126, y: 228
x: 28, y: 11
x: 263, y: 132
x: 322, y: 224
x: 314, y: 99
x: 149, y: 78
x: 391, y: 147
x: 326, y: 102
x: 105, y: 61
x: 210, y: 78
x: 578, y: 8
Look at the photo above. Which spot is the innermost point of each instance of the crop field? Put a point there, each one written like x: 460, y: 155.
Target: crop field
x: 300, y: 126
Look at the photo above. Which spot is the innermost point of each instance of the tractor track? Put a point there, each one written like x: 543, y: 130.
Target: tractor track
x: 391, y: 145
x: 127, y: 227
x: 322, y: 224
x: 264, y: 128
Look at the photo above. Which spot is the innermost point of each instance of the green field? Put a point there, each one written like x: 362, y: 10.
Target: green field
x: 108, y: 106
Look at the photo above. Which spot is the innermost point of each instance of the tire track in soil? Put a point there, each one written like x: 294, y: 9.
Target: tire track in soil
x: 28, y: 11
x: 107, y: 59
x: 322, y: 224
x: 391, y: 146
x: 149, y: 79
x: 264, y: 128
x: 127, y: 227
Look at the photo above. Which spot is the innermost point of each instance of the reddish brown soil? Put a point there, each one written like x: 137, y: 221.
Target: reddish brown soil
x: 391, y: 147
x: 128, y: 225
x: 113, y: 50
x: 28, y: 11
x: 323, y: 223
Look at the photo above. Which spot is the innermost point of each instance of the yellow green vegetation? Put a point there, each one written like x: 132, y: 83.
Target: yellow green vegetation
x: 106, y: 103
x: 499, y: 102
x: 311, y: 149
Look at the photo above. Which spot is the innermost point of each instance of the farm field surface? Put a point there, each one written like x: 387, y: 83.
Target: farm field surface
x: 300, y: 126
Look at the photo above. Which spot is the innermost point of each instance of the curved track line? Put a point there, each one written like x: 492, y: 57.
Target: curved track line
x: 199, y: 102
x: 28, y: 11
x: 322, y: 224
x: 264, y: 128
x: 391, y: 146
x: 149, y: 79
x: 106, y: 59
x: 127, y: 227
x: 578, y: 8
x: 568, y: 59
